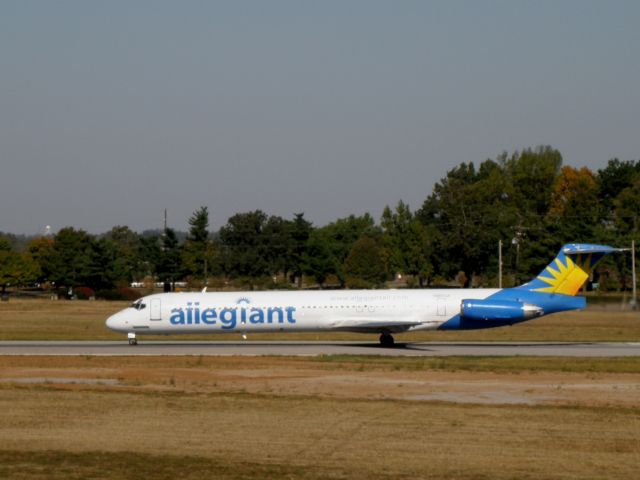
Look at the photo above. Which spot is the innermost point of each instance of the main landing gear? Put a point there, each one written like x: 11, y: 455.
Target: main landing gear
x: 132, y: 339
x: 386, y: 340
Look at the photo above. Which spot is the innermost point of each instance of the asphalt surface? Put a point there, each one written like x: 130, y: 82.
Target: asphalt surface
x: 250, y: 348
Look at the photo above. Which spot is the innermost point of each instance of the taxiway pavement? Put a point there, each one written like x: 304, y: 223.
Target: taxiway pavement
x: 295, y: 348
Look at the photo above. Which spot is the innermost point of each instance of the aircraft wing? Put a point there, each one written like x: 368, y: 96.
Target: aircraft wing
x: 366, y: 325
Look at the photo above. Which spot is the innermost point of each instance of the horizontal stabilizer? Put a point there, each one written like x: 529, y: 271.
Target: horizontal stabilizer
x: 586, y: 248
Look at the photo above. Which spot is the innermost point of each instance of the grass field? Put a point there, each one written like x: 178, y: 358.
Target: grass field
x: 236, y: 418
x: 84, y: 320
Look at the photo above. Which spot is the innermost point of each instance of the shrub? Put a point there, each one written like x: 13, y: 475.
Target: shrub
x: 281, y: 286
x: 122, y: 293
x: 358, y: 283
x: 609, y: 284
x: 83, y: 293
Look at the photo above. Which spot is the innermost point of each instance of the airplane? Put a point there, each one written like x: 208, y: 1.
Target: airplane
x: 385, y: 312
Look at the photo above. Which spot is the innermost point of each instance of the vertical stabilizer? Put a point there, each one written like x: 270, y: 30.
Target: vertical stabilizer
x: 569, y: 270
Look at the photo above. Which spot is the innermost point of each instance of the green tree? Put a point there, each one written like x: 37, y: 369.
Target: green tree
x: 300, y: 232
x: 72, y: 259
x: 532, y: 174
x: 198, y: 251
x: 150, y: 254
x: 107, y: 268
x: 318, y: 259
x: 16, y: 242
x: 507, y: 199
x: 614, y: 178
x: 168, y: 267
x: 575, y: 208
x: 277, y: 245
x: 620, y: 197
x: 39, y: 249
x: 627, y: 209
x: 255, y: 245
x: 340, y: 237
x: 467, y: 214
x: 242, y: 243
x: 407, y: 243
x: 364, y: 266
x: 16, y: 269
x: 5, y: 244
x: 121, y: 247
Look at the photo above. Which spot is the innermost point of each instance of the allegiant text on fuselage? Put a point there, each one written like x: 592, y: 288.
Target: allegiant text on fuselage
x: 229, y: 317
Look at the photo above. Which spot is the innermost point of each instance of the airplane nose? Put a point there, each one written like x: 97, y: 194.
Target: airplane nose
x: 114, y: 322
x: 111, y: 323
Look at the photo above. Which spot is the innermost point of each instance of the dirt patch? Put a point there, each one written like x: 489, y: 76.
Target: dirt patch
x: 458, y: 387
x: 61, y: 380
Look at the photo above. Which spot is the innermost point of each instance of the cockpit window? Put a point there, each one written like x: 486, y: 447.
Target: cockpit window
x: 138, y: 305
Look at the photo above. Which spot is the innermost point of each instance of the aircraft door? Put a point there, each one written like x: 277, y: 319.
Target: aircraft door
x: 442, y: 305
x: 154, y: 311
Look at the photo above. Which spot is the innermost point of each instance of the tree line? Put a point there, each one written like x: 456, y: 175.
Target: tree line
x: 528, y: 200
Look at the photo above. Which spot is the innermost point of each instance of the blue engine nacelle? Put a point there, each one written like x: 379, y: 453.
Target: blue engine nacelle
x: 499, y: 310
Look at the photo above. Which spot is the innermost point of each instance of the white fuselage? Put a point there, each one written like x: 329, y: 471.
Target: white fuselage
x: 297, y: 311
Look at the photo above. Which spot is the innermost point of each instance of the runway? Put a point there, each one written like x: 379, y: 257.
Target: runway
x: 429, y: 349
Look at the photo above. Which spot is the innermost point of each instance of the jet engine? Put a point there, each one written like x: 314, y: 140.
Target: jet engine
x: 499, y: 310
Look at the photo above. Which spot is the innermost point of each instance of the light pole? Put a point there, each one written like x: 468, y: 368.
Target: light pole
x: 499, y: 263
x: 634, y: 303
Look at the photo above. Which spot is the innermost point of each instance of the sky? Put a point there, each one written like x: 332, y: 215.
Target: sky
x: 112, y: 111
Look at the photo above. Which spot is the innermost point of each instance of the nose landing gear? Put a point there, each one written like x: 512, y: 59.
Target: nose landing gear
x: 132, y: 339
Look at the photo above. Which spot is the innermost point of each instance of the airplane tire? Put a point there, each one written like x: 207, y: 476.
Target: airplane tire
x: 386, y: 340
x: 133, y: 341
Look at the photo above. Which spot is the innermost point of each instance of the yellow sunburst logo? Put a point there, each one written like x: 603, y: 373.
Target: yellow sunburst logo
x: 566, y: 278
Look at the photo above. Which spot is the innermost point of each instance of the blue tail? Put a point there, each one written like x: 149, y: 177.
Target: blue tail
x: 569, y: 270
x: 553, y: 290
